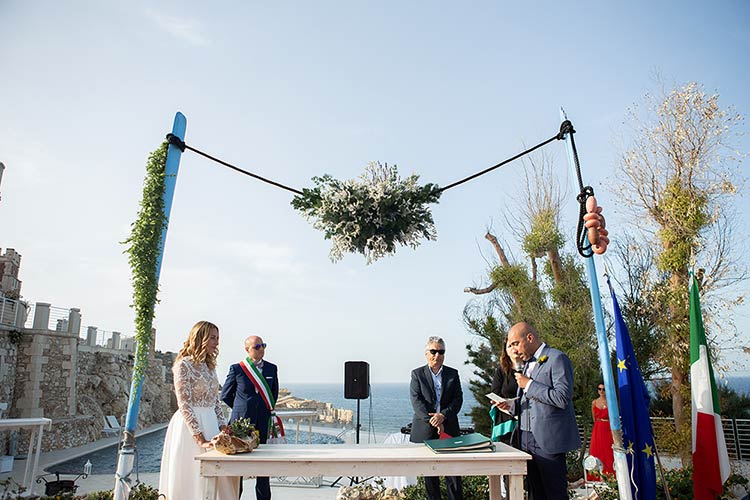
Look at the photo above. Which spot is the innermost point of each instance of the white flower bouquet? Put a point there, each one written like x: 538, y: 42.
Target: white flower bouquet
x: 370, y: 214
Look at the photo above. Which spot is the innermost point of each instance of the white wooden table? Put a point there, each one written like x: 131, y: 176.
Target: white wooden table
x: 298, y: 414
x: 398, y: 482
x: 37, y: 426
x: 366, y: 460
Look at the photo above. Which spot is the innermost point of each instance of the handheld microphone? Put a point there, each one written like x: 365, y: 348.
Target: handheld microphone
x: 518, y: 367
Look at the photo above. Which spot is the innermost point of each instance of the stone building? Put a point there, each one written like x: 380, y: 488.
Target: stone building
x: 10, y: 263
x: 55, y: 374
x: 47, y: 370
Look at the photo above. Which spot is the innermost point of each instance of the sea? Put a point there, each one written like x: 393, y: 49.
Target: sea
x: 389, y: 407
x: 387, y: 410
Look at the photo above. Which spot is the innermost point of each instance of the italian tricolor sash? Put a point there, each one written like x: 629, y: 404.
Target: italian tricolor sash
x: 275, y: 427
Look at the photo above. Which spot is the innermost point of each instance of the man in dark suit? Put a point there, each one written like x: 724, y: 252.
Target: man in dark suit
x: 547, y: 427
x: 437, y: 397
x: 250, y: 387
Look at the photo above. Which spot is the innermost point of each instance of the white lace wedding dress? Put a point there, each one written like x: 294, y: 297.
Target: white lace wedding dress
x: 198, y: 411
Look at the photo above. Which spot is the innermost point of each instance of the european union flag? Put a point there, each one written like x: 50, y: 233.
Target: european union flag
x: 638, y: 436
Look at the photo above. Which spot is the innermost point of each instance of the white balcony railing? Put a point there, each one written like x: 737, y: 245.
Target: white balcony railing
x: 12, y: 313
x: 57, y: 318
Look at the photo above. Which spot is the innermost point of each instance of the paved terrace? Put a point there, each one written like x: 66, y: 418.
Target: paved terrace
x: 98, y: 482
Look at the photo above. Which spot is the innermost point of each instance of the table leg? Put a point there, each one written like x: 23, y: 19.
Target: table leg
x: 495, y: 490
x: 209, y: 488
x: 36, y: 457
x: 515, y: 487
x: 28, y: 481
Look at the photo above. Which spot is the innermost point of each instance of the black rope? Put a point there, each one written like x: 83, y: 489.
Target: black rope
x: 179, y: 143
x: 582, y: 242
x: 556, y: 137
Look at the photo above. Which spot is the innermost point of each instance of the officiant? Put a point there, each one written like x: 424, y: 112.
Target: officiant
x: 251, y: 390
x: 436, y: 397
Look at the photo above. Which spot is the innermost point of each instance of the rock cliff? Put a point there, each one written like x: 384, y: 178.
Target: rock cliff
x: 327, y: 414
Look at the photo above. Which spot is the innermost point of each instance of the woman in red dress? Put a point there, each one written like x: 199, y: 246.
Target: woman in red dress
x: 601, y: 436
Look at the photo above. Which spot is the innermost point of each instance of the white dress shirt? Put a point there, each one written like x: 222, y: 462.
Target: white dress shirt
x: 437, y: 381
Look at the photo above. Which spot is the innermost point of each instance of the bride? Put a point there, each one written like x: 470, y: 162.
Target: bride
x: 198, y: 418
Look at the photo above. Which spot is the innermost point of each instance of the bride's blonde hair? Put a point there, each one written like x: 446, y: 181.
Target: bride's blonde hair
x: 196, y: 343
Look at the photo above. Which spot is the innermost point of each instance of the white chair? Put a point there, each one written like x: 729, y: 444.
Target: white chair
x: 111, y: 426
x: 591, y: 463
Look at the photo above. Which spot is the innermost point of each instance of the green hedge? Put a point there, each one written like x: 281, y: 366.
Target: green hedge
x: 10, y: 490
x: 679, y: 482
x: 474, y: 487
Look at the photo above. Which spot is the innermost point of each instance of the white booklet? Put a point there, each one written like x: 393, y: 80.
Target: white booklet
x: 499, y: 399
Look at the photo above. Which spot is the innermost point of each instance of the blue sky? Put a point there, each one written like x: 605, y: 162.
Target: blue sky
x: 291, y: 90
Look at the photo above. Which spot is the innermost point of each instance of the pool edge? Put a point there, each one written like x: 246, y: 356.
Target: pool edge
x: 92, y: 447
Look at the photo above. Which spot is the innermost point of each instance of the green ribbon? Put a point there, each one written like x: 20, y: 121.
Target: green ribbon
x: 502, y: 428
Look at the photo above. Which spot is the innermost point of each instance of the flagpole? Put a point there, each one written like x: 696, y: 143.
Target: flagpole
x: 621, y: 464
x: 664, y: 484
x: 126, y: 459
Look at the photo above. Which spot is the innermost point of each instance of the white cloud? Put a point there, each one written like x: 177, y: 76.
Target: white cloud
x: 185, y: 29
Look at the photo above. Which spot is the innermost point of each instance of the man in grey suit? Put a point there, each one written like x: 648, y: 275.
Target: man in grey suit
x: 437, y: 397
x: 547, y: 427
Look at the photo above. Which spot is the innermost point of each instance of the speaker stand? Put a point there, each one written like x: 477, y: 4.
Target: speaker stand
x: 358, y: 424
x: 353, y: 479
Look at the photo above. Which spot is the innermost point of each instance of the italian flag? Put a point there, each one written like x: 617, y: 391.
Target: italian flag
x: 710, y: 458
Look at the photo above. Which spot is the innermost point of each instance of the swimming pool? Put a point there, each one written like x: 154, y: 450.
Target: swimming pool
x: 148, y: 453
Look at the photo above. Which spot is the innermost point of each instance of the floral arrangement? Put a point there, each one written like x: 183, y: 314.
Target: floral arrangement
x: 368, y: 492
x: 243, y: 428
x: 542, y: 359
x: 241, y: 438
x: 370, y: 214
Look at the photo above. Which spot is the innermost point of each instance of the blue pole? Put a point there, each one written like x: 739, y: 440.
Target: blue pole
x: 127, y: 449
x: 621, y: 465
x: 170, y: 181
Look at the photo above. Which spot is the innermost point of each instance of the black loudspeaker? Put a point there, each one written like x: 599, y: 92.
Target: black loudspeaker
x: 356, y: 380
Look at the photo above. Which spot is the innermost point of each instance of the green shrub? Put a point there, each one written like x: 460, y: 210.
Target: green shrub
x: 97, y: 495
x: 574, y: 463
x: 144, y: 492
x: 679, y: 482
x: 11, y: 490
x: 474, y: 487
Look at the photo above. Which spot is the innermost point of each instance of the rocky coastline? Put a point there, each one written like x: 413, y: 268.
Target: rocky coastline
x: 328, y: 415
x: 59, y: 376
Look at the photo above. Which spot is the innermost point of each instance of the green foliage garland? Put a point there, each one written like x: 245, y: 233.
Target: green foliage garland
x: 371, y: 214
x: 143, y: 254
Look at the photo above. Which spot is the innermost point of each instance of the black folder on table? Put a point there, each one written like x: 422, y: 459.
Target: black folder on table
x: 468, y: 443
